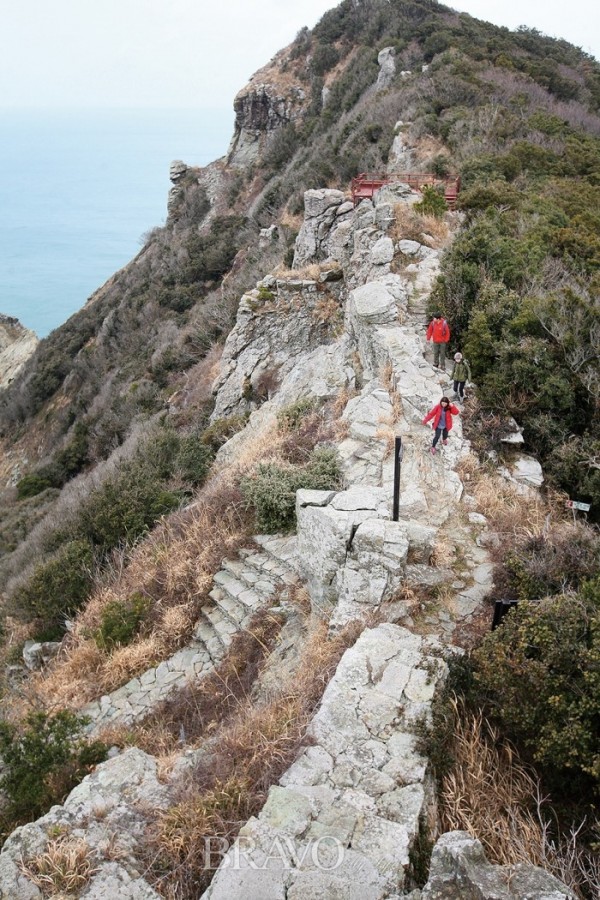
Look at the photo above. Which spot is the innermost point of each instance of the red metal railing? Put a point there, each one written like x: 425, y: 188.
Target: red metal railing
x: 365, y: 184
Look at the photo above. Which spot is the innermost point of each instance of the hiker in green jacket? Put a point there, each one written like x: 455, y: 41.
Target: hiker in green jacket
x: 461, y: 373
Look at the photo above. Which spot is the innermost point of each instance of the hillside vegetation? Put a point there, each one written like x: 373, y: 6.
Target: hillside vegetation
x: 113, y: 519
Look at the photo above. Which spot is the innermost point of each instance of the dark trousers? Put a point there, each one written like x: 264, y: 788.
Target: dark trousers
x: 459, y: 388
x: 439, y: 354
x: 440, y: 433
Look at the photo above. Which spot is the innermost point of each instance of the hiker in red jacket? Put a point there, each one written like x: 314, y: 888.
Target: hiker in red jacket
x: 439, y: 332
x: 442, y: 421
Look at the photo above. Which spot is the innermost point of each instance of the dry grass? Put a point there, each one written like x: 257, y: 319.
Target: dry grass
x: 293, y: 221
x: 196, y: 710
x: 411, y: 225
x: 299, y: 598
x: 443, y: 551
x: 386, y: 434
x: 386, y: 372
x: 508, y: 511
x: 63, y: 869
x: 327, y: 311
x: 308, y: 273
x: 493, y: 796
x: 249, y: 754
x: 388, y: 380
x: 342, y: 399
x: 174, y: 568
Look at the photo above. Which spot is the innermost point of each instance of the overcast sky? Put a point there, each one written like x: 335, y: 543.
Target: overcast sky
x: 192, y: 53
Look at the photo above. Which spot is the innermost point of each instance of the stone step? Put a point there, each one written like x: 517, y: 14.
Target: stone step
x: 252, y: 573
x: 283, y: 551
x: 249, y: 594
x: 223, y: 628
x: 205, y: 634
x: 231, y: 608
x: 241, y: 570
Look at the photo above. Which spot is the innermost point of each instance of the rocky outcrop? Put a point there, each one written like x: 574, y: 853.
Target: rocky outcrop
x: 387, y: 67
x: 278, y: 324
x: 402, y: 154
x: 17, y: 344
x: 460, y: 871
x: 351, y: 556
x: 177, y: 171
x: 108, y: 809
x: 37, y: 655
x: 265, y: 105
x: 343, y: 819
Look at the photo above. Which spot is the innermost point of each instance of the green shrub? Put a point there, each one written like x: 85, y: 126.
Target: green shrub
x: 31, y: 485
x: 121, y: 620
x: 540, y: 675
x: 67, y: 463
x: 440, y: 166
x: 221, y: 430
x: 42, y: 763
x: 194, y: 459
x: 272, y: 489
x: 291, y: 416
x: 210, y: 255
x: 122, y: 510
x: 264, y: 294
x: 56, y: 589
x: 546, y: 564
x: 432, y: 204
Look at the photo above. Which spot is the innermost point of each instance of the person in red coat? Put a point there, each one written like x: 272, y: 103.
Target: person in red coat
x: 438, y: 331
x: 442, y: 421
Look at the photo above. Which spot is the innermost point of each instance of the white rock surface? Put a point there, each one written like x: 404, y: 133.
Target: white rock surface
x: 17, y: 344
x: 356, y: 793
x: 387, y: 67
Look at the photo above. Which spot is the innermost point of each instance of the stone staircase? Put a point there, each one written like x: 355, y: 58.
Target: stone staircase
x: 255, y: 580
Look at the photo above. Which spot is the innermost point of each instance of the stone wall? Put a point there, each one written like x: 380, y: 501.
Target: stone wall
x: 343, y: 819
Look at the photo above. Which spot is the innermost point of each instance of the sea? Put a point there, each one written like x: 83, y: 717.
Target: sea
x: 78, y: 189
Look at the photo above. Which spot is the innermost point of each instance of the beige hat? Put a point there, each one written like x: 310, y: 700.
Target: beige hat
x: 458, y: 356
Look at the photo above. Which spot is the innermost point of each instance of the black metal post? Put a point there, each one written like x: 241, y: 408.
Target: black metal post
x: 501, y: 607
x: 398, y: 451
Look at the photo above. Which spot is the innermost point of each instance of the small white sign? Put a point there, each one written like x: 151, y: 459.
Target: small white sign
x: 575, y: 504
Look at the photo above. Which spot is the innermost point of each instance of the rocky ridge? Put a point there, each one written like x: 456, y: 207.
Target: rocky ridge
x: 17, y: 344
x: 361, y: 791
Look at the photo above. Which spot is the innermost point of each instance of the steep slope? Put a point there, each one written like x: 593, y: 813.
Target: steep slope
x: 16, y: 346
x: 362, y: 786
x: 130, y: 486
x: 374, y: 85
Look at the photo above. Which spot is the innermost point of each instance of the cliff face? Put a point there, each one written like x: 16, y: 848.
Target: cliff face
x: 17, y: 344
x: 271, y: 100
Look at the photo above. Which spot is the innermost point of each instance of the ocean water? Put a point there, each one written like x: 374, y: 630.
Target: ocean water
x: 78, y: 188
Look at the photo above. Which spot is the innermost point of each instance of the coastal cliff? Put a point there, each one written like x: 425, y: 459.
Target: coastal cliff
x: 17, y: 344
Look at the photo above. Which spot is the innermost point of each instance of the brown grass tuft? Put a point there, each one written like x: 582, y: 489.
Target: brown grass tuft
x: 426, y: 230
x: 63, y: 869
x: 490, y: 793
x: 509, y: 511
x: 310, y: 272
